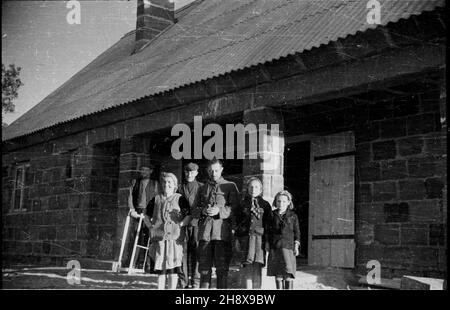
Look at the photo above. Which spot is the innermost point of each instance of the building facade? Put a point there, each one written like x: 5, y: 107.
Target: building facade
x: 361, y: 110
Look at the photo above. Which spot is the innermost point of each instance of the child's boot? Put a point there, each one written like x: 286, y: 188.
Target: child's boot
x: 161, y: 282
x: 288, y: 284
x: 248, y: 283
x: 205, y: 280
x: 257, y: 276
x: 222, y: 279
x: 279, y: 283
x: 173, y: 281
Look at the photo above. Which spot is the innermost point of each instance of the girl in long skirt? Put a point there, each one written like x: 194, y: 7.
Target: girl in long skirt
x: 283, y: 241
x: 169, y: 211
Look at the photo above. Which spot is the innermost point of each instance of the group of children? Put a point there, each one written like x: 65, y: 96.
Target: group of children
x: 262, y: 228
x: 193, y: 227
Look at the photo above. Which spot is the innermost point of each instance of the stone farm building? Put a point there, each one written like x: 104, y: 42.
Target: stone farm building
x: 361, y: 110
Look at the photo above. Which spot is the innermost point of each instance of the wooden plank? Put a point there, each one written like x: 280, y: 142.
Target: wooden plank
x: 386, y: 283
x: 319, y: 253
x: 342, y: 253
x: 313, y: 197
x: 325, y: 199
x: 343, y: 211
x: 341, y: 180
x: 332, y: 200
x: 421, y: 283
x: 312, y: 247
x: 322, y: 252
x: 320, y: 248
x: 334, y: 143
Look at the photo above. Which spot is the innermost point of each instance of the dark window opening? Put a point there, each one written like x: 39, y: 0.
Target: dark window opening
x: 22, y: 181
x: 70, y: 163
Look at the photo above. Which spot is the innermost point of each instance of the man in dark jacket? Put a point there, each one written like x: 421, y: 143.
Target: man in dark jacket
x: 217, y: 200
x: 142, y: 190
x: 189, y: 276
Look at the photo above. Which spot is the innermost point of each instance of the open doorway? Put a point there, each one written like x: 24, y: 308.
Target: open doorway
x: 296, y: 180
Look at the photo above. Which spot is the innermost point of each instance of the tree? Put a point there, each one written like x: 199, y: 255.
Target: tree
x: 10, y: 84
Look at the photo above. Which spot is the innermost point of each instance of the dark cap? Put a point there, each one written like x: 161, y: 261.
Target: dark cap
x: 148, y: 165
x: 191, y: 167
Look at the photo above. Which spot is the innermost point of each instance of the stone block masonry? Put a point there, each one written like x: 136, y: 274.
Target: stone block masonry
x: 401, y: 176
x: 70, y: 193
x: 400, y: 187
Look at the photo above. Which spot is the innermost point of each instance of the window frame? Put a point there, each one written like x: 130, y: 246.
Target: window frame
x: 71, y: 163
x: 23, y: 166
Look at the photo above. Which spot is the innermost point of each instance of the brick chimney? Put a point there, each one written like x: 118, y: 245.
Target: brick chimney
x: 153, y: 16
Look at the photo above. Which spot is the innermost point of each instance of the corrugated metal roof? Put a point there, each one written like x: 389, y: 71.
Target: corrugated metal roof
x: 212, y: 38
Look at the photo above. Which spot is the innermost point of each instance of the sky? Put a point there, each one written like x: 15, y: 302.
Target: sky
x: 37, y: 37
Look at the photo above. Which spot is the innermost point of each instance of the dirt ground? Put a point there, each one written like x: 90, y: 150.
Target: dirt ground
x: 56, y: 278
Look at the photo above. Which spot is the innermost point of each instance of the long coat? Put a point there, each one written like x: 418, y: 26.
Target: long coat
x: 192, y: 196
x: 249, y: 229
x: 246, y: 223
x: 283, y: 230
x: 223, y: 194
x: 166, y: 247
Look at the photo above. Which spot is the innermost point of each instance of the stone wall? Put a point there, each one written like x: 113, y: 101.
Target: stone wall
x: 269, y: 166
x: 400, y: 184
x: 400, y: 177
x: 70, y: 200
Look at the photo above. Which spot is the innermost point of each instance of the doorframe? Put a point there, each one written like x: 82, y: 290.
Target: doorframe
x: 310, y: 137
x: 298, y: 139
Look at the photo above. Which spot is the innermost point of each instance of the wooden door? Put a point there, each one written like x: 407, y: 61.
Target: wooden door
x: 331, y: 209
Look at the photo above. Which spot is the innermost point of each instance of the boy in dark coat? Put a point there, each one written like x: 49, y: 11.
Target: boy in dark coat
x: 217, y: 200
x: 189, y: 276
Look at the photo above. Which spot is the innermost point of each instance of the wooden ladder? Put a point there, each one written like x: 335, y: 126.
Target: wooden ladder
x: 117, y: 266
